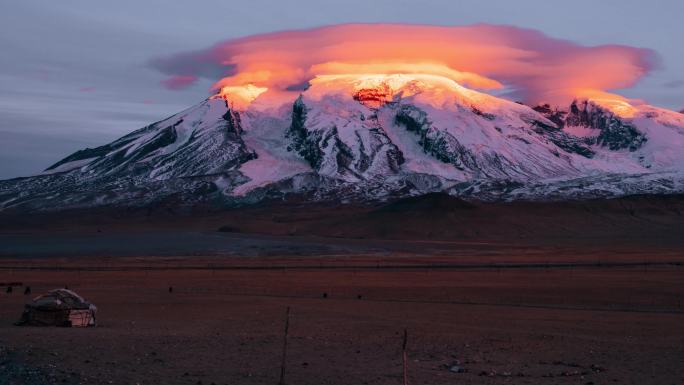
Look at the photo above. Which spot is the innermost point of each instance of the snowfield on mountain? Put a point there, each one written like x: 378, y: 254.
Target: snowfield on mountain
x: 369, y: 138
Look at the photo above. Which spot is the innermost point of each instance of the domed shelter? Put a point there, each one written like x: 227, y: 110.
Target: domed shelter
x: 59, y: 307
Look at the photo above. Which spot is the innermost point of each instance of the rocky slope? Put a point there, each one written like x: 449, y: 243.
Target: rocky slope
x: 370, y: 138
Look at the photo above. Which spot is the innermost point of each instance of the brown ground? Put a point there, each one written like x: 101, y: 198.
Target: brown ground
x: 224, y: 325
x: 641, y: 220
x: 575, y: 309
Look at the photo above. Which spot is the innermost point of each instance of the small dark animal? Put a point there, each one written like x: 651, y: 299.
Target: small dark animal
x: 170, y: 289
x: 27, y: 290
x: 325, y: 295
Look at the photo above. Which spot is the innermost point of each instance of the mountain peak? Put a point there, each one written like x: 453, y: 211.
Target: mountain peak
x: 240, y: 97
x: 370, y: 137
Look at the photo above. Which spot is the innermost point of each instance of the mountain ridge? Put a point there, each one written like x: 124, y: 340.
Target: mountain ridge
x: 371, y: 138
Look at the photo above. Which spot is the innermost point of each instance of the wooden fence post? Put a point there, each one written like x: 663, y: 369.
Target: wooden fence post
x: 282, y: 362
x: 405, y: 357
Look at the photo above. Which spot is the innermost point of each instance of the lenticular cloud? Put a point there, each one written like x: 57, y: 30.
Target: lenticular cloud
x: 528, y: 64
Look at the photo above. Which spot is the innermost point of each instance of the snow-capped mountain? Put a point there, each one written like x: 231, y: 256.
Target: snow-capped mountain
x: 369, y: 138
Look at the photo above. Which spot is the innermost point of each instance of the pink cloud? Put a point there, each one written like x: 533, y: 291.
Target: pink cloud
x: 535, y: 67
x: 179, y: 82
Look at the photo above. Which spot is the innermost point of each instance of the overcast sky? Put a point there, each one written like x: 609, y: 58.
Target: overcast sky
x: 75, y: 73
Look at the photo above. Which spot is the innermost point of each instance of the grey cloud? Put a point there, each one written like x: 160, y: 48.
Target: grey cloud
x: 674, y: 84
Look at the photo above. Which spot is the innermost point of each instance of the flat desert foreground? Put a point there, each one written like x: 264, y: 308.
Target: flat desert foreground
x: 484, y: 315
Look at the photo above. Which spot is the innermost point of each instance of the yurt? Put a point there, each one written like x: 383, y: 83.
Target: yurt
x: 60, y: 307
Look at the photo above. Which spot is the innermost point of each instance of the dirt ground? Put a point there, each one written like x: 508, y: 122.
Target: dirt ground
x: 503, y: 293
x: 601, y: 317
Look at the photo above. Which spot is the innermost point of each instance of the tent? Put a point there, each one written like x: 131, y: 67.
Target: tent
x: 60, y: 307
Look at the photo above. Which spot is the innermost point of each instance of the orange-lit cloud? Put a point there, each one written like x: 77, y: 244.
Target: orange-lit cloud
x: 530, y: 65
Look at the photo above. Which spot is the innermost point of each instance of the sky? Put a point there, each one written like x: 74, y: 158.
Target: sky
x: 79, y: 73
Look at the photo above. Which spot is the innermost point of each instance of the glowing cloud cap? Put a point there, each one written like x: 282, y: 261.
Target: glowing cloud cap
x: 529, y: 65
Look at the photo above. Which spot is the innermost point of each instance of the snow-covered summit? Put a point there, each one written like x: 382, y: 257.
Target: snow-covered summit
x: 370, y: 137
